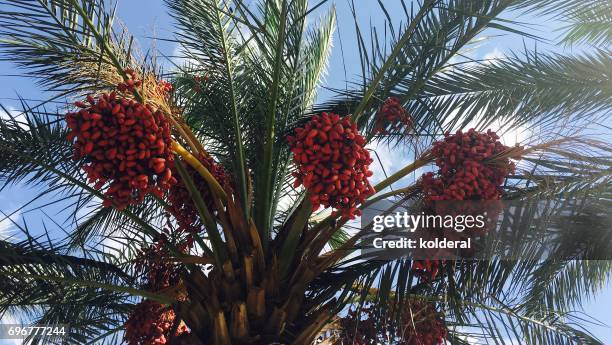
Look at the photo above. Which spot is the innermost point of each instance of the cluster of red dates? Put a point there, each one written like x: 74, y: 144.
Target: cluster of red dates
x: 420, y: 324
x: 151, y: 323
x: 471, y: 167
x: 465, y: 167
x: 125, y: 146
x: 392, y: 117
x: 332, y: 163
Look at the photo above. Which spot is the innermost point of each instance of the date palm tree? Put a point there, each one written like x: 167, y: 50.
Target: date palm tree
x: 264, y: 267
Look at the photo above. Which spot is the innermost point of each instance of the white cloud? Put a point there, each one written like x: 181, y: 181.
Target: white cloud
x: 5, y: 115
x: 180, y: 58
x: 469, y: 58
x: 15, y: 114
x: 468, y: 339
x: 386, y: 160
x: 114, y: 245
x: 7, y: 225
x: 495, y: 54
x: 479, y: 340
x: 508, y: 137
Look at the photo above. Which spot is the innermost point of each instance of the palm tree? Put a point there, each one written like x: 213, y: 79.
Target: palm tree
x: 261, y: 265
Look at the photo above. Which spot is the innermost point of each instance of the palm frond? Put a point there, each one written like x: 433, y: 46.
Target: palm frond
x: 584, y: 21
x: 206, y: 36
x: 424, y: 47
x: 550, y: 89
x: 90, y: 310
x: 60, y: 49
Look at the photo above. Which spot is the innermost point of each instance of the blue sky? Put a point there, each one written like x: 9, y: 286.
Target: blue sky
x: 148, y: 18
